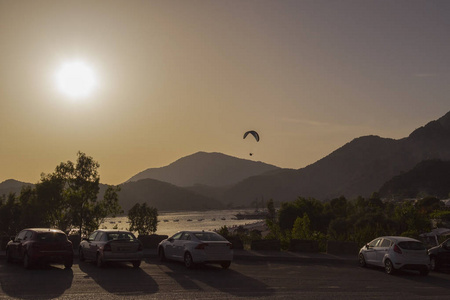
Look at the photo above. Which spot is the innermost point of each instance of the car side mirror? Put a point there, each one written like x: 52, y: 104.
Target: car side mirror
x: 12, y: 238
x: 85, y: 239
x: 170, y: 240
x: 367, y: 246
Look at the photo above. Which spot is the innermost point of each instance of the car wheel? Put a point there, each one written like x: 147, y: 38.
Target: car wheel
x: 161, y: 254
x: 26, y: 261
x: 136, y: 263
x: 433, y: 264
x: 81, y: 254
x: 188, y: 262
x: 68, y: 263
x: 100, y: 262
x: 226, y: 264
x: 362, y: 260
x: 389, y: 267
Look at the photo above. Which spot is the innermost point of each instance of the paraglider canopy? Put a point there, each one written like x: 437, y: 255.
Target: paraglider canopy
x: 252, y: 132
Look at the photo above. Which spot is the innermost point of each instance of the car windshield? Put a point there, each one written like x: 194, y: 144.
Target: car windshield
x: 121, y: 236
x: 51, y: 237
x: 411, y: 245
x: 209, y: 236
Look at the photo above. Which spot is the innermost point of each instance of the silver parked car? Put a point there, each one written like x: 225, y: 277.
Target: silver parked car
x: 111, y: 245
x: 395, y: 253
x: 194, y: 247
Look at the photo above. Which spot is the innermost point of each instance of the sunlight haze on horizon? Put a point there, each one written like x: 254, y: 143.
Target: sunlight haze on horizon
x: 140, y: 84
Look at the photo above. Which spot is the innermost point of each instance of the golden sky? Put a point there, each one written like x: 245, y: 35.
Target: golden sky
x: 177, y: 77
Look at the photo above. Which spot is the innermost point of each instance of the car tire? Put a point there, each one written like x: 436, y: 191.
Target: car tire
x: 188, y: 261
x: 433, y: 264
x: 225, y: 264
x: 81, y: 254
x: 68, y: 263
x: 389, y: 267
x: 26, y: 261
x: 136, y: 263
x: 362, y: 260
x: 99, y: 261
x: 161, y: 254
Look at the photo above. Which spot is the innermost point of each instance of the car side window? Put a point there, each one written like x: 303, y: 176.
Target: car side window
x: 385, y: 243
x: 374, y: 243
x: 99, y: 236
x: 25, y: 237
x: 186, y: 237
x: 92, y: 236
x: 28, y: 235
x: 21, y: 236
x: 177, y: 236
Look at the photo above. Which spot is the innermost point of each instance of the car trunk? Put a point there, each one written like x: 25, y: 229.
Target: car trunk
x: 124, y: 246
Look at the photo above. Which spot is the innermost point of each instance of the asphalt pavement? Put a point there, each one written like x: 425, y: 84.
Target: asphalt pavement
x: 268, y: 255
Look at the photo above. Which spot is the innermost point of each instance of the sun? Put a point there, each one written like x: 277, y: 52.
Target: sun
x: 76, y: 79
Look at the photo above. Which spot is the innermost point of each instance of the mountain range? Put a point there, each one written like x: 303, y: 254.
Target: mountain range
x: 215, y: 180
x: 429, y: 177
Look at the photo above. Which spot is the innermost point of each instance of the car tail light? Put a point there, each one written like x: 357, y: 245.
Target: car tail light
x: 201, y: 246
x: 397, y: 249
x: 230, y: 245
x: 107, y: 247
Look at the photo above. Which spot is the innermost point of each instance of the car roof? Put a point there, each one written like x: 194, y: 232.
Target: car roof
x: 113, y: 231
x: 45, y: 230
x: 198, y: 231
x: 400, y: 239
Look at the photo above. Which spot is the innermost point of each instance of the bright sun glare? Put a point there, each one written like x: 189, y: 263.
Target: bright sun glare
x: 76, y: 79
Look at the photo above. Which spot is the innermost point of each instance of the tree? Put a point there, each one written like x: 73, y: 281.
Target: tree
x: 55, y: 209
x: 429, y: 204
x: 271, y: 211
x: 143, y: 219
x: 71, y: 192
x: 302, y: 228
x: 223, y: 231
x: 10, y: 211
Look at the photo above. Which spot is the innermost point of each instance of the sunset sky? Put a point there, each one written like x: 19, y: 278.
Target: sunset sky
x: 165, y: 79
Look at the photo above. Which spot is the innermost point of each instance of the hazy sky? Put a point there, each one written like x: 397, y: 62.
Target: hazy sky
x: 177, y: 77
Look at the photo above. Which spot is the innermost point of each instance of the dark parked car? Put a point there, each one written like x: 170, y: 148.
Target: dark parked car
x: 104, y: 246
x: 440, y: 255
x: 35, y: 245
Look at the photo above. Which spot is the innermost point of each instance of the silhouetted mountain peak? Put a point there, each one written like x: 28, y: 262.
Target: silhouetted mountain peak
x: 12, y: 184
x: 433, y: 130
x: 445, y: 121
x: 212, y: 169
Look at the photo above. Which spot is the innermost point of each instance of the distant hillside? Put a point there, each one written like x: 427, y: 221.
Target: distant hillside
x: 12, y: 186
x: 431, y: 177
x: 208, y: 169
x: 360, y: 167
x: 357, y: 168
x: 163, y: 196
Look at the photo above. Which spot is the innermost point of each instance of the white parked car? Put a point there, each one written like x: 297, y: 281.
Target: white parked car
x: 395, y: 253
x: 103, y: 246
x: 195, y: 247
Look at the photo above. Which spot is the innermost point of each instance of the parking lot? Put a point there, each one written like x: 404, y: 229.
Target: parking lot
x: 264, y: 277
